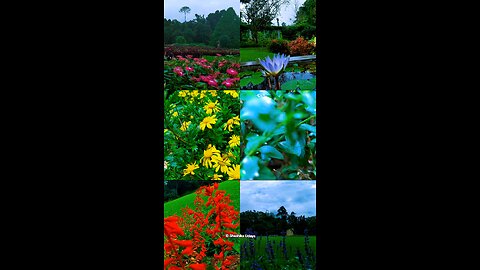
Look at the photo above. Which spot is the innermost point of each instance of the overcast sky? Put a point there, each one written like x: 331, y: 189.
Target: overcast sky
x: 200, y: 7
x: 296, y: 196
x: 205, y: 7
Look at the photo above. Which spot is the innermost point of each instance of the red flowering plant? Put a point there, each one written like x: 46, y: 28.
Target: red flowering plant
x: 188, y: 73
x: 191, y: 240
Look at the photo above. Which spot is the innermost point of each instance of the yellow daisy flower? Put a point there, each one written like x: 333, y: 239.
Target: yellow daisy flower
x: 217, y: 176
x: 190, y: 168
x: 234, y: 172
x: 233, y: 93
x: 185, y: 125
x: 236, y: 120
x: 183, y: 93
x: 175, y: 114
x: 208, y: 121
x: 221, y: 164
x: 203, y: 93
x: 208, y: 154
x: 211, y: 107
x: 234, y: 141
x: 213, y: 92
x: 194, y: 93
x: 229, y: 124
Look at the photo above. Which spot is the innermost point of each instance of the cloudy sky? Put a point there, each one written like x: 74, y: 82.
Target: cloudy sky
x: 200, y: 7
x: 296, y: 196
x: 205, y: 7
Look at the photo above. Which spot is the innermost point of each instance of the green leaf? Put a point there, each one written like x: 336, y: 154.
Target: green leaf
x: 261, y: 111
x: 270, y: 151
x: 278, y: 131
x: 253, y: 142
x: 309, y: 98
x: 294, y: 148
x: 266, y: 174
x: 249, y: 168
x: 308, y: 127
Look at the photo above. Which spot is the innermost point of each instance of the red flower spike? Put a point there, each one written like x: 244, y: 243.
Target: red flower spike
x: 166, y: 263
x: 183, y: 243
x: 188, y: 251
x: 198, y: 266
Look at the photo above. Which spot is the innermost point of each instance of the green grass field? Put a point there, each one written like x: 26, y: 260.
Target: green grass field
x: 252, y: 54
x: 176, y: 206
x: 293, y: 242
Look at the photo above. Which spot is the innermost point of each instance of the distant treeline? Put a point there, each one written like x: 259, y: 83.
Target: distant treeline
x: 274, y: 224
x: 219, y: 29
x: 175, y: 188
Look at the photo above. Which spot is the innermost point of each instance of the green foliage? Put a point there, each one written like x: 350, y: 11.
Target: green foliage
x: 227, y: 30
x: 280, y: 125
x: 180, y: 40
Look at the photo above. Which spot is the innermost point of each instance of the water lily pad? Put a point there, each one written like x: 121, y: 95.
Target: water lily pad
x: 255, y: 79
x: 302, y: 84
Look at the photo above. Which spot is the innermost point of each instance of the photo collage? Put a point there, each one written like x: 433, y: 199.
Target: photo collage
x: 240, y: 134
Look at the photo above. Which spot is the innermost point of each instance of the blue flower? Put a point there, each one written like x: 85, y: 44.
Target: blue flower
x: 273, y: 67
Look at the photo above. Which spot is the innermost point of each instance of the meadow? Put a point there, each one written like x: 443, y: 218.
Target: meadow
x: 295, y: 253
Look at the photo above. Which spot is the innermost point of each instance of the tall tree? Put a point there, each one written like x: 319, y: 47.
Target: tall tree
x: 260, y: 13
x: 185, y: 10
x: 227, y: 30
x: 307, y: 13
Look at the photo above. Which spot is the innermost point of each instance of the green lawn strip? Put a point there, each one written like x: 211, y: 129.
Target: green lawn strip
x: 176, y: 206
x: 232, y: 58
x: 293, y: 242
x: 252, y: 54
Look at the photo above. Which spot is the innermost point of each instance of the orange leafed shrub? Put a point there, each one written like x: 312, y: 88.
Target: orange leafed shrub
x: 300, y: 46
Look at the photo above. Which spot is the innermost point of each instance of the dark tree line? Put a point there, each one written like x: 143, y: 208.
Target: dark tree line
x: 274, y: 224
x: 219, y: 29
x: 175, y: 189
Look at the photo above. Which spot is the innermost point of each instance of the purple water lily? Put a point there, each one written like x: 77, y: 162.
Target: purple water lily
x: 273, y: 67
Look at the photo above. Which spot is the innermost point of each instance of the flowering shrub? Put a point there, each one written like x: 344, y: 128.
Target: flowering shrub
x: 279, y: 46
x: 191, y: 240
x: 195, y: 51
x: 199, y: 73
x: 202, y: 135
x: 300, y: 46
x: 280, y: 134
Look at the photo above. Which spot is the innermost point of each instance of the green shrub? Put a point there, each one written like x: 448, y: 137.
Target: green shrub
x: 180, y: 40
x: 248, y: 43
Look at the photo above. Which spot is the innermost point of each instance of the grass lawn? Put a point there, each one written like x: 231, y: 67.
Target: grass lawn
x: 252, y: 54
x: 175, y: 206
